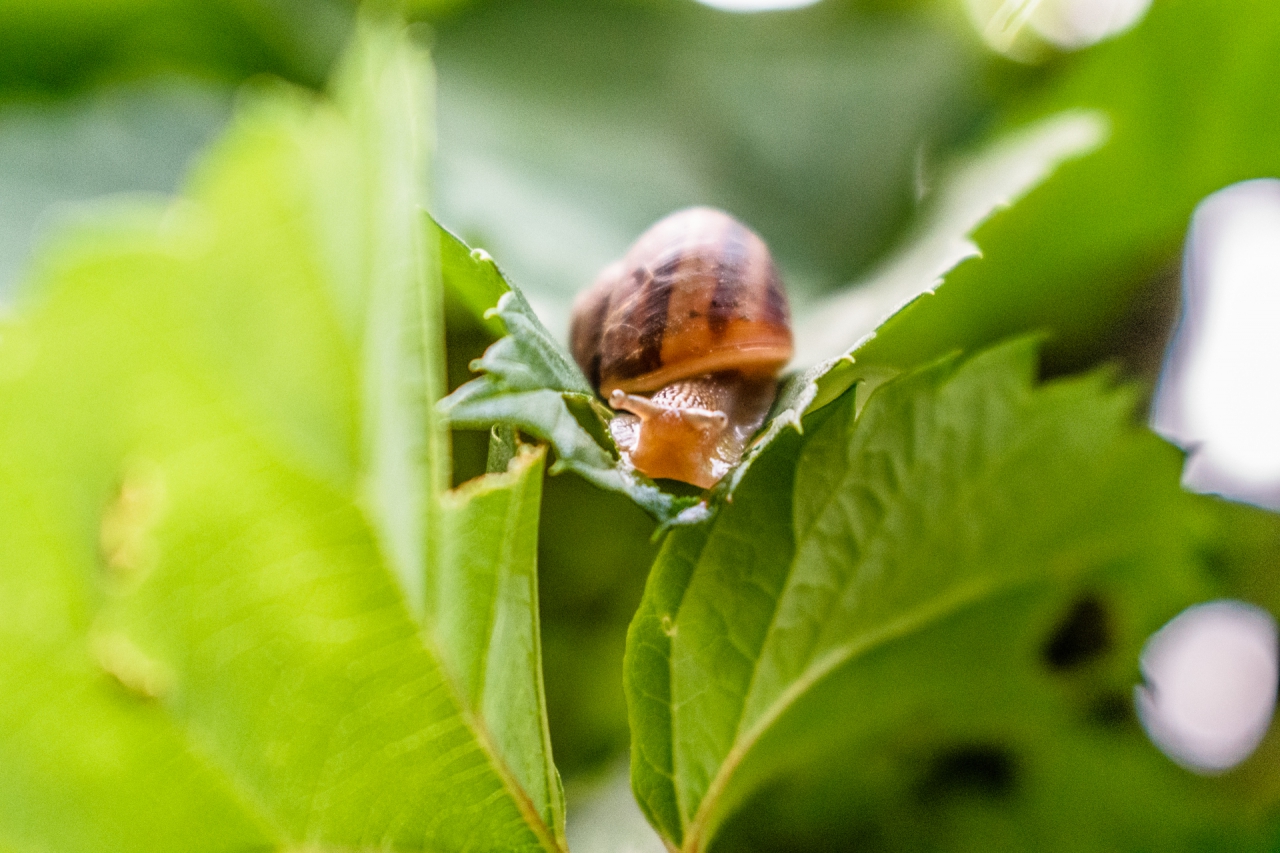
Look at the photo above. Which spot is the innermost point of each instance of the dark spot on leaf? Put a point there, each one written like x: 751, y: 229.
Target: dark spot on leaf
x: 1112, y: 710
x: 1083, y: 636
x: 984, y: 770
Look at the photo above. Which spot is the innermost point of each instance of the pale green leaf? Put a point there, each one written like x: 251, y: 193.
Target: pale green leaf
x: 484, y: 609
x: 222, y: 469
x: 404, y: 453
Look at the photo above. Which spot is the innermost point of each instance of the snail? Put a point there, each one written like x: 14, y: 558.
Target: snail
x: 684, y: 338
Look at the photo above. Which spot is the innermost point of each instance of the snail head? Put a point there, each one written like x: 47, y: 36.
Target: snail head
x: 677, y: 442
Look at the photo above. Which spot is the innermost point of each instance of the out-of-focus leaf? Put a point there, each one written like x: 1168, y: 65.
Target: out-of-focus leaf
x: 302, y: 38
x: 917, y: 627
x: 568, y: 127
x: 1241, y: 544
x: 222, y: 470
x: 433, y: 8
x: 529, y: 380
x: 64, y: 44
x: 1188, y: 96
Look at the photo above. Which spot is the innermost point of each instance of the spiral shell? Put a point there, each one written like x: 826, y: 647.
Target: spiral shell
x: 698, y: 293
x: 694, y: 315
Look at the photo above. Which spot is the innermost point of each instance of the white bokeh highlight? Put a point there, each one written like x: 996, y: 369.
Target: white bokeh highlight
x: 1210, y: 685
x: 1073, y: 24
x: 1066, y: 24
x: 1219, y: 395
x: 756, y: 5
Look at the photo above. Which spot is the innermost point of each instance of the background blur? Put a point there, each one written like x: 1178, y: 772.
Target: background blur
x: 565, y: 127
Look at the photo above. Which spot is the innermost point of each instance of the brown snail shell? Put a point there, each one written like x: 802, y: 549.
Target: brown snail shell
x: 694, y: 315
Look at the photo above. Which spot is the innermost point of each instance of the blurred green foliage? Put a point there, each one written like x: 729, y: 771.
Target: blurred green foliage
x: 64, y: 45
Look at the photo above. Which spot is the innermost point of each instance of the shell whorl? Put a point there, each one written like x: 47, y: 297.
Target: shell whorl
x: 697, y: 293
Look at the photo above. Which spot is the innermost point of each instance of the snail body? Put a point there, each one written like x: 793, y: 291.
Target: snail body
x: 685, y: 337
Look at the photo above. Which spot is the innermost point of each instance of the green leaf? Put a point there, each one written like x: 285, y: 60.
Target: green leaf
x: 222, y: 522
x: 871, y: 628
x: 484, y: 606
x: 470, y: 276
x: 1241, y: 543
x: 530, y: 381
